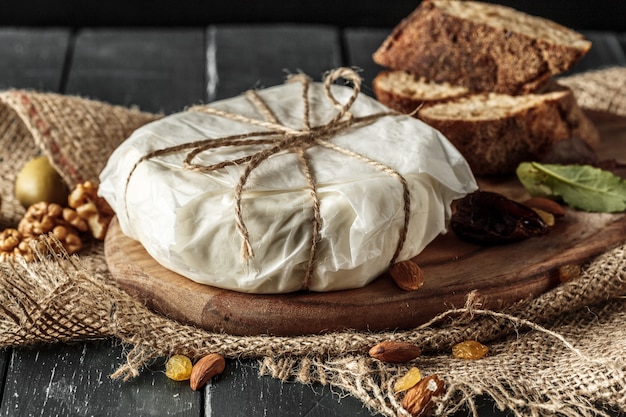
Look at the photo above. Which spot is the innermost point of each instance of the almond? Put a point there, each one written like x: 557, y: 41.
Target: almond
x: 205, y: 369
x: 548, y: 218
x: 545, y: 204
x: 419, y: 399
x: 407, y: 275
x: 395, y: 352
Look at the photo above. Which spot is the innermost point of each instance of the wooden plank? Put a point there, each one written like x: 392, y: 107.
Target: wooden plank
x: 193, y: 13
x: 245, y: 57
x: 157, y: 70
x: 599, y: 14
x: 73, y: 380
x: 32, y: 58
x: 240, y: 392
x: 4, y: 363
x: 360, y: 44
x: 29, y: 59
x: 605, y: 51
x: 240, y: 58
x: 621, y: 38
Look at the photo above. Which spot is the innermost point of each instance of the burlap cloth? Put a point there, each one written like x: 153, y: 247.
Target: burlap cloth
x: 559, y: 354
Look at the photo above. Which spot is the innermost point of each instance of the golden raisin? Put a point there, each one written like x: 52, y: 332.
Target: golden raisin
x: 568, y: 273
x: 408, y: 380
x: 469, y: 349
x: 178, y: 368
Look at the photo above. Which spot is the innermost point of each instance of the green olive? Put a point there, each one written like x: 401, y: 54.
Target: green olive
x: 39, y: 181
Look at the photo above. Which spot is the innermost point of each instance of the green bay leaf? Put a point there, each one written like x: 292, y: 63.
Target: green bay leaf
x: 580, y: 186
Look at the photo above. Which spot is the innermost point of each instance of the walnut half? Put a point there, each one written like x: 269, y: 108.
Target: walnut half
x: 14, y: 244
x: 87, y: 213
x: 43, y: 218
x: 92, y: 208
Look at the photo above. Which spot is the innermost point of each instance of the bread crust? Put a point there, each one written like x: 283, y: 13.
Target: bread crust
x: 439, y: 46
x: 388, y: 88
x: 496, y: 146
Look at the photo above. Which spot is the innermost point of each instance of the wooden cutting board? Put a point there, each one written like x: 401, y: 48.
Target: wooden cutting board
x: 452, y: 269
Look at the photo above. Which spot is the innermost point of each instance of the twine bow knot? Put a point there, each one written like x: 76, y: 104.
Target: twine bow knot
x: 280, y: 138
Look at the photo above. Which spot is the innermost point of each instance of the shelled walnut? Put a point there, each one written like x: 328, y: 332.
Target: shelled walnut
x: 87, y: 214
x: 72, y: 218
x: 68, y: 237
x: 92, y: 208
x: 14, y: 244
x: 42, y: 218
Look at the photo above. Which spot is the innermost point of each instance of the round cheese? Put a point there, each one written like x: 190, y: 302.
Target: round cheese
x: 190, y: 220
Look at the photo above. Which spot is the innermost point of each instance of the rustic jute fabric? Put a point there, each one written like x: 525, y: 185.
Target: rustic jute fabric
x: 561, y: 353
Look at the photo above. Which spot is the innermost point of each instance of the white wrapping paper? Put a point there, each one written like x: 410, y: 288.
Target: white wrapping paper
x: 186, y: 220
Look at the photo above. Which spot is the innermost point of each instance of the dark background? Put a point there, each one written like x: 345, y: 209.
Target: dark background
x: 578, y: 14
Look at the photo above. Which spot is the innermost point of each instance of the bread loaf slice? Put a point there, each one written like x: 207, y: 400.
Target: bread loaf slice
x: 407, y: 92
x: 483, y: 47
x: 494, y: 132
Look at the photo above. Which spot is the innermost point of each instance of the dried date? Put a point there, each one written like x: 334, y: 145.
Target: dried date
x: 485, y: 217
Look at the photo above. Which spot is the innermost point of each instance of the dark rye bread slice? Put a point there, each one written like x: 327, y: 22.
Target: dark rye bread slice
x: 406, y: 92
x: 484, y: 47
x: 494, y: 132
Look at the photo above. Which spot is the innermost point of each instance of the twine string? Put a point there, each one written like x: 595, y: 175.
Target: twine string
x: 276, y: 138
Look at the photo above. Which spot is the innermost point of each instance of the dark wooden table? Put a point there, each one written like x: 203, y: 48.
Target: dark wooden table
x: 164, y: 70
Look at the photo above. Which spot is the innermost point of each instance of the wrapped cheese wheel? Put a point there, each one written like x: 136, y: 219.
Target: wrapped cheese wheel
x: 302, y: 186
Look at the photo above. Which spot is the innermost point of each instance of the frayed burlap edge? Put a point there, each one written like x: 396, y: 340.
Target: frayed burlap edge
x: 567, y: 364
x: 558, y: 354
x: 78, y: 135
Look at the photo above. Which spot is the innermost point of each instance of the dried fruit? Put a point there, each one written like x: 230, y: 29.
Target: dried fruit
x: 408, y: 380
x: 485, y: 217
x: 205, y: 369
x: 568, y: 273
x: 469, y: 349
x: 548, y: 218
x: 178, y: 368
x: 419, y: 399
x: 395, y: 352
x: 407, y: 275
